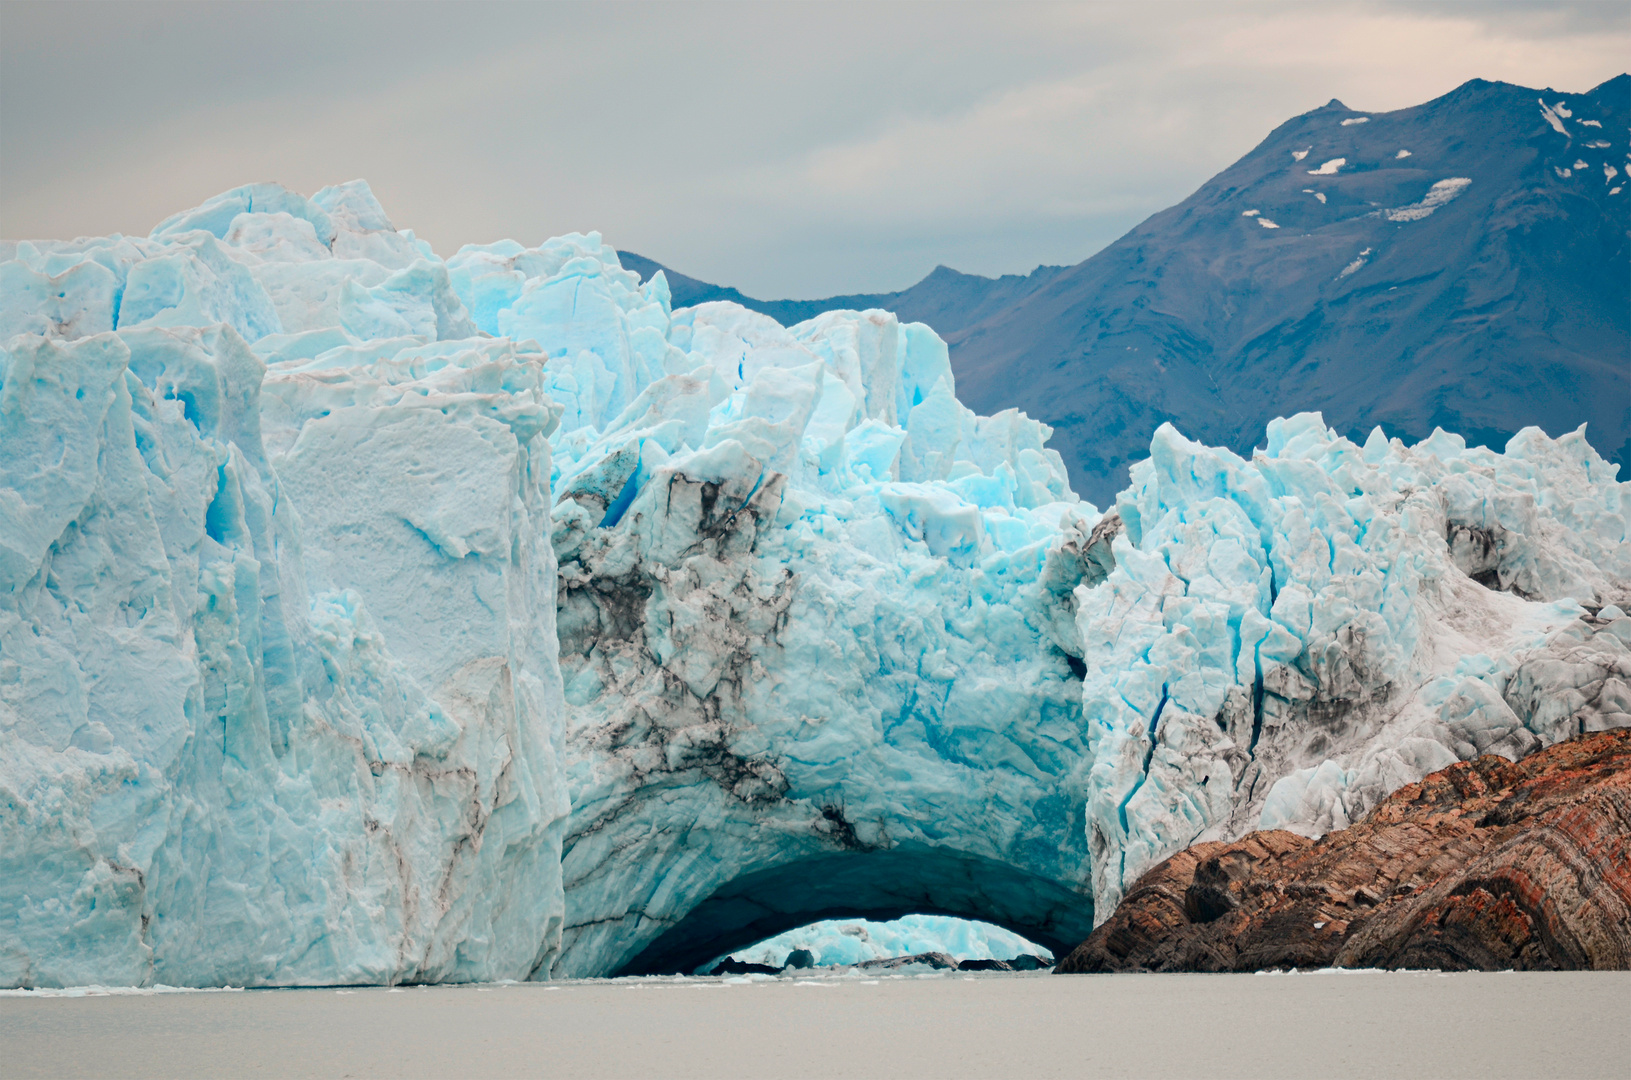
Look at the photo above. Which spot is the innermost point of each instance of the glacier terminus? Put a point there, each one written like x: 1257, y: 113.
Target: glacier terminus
x: 373, y: 617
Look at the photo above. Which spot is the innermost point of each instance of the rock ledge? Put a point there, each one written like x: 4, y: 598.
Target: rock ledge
x: 1485, y: 865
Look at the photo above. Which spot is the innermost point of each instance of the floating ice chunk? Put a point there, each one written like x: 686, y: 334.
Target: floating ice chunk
x: 1352, y: 120
x: 1580, y: 165
x: 1250, y: 213
x: 1402, y: 154
x: 1562, y: 172
x: 1329, y: 168
x: 1599, y: 144
x: 1562, y: 110
x: 1266, y: 223
x: 1298, y: 155
x: 1590, y: 123
x: 854, y: 941
x: 1613, y: 191
x: 1609, y: 173
x: 1320, y: 195
x: 1438, y: 195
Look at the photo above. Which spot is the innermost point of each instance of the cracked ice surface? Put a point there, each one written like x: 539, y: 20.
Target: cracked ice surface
x: 810, y: 604
x: 1285, y: 641
x: 278, y: 693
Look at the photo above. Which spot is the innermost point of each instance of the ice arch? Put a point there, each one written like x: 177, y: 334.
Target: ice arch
x: 810, y: 606
x: 764, y: 687
x: 879, y: 885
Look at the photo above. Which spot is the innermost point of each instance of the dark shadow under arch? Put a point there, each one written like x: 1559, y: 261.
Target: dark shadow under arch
x: 877, y: 885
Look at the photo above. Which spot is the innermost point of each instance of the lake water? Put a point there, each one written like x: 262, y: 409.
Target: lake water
x: 947, y: 1025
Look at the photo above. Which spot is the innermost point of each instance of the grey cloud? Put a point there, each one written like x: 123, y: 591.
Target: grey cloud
x: 789, y: 150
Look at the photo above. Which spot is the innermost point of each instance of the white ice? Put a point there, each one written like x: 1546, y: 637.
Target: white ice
x: 855, y: 941
x: 1285, y: 640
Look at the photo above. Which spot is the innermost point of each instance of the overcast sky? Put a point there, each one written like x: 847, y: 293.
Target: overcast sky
x: 789, y: 150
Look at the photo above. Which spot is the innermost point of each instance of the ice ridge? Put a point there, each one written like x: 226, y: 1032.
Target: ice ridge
x: 367, y: 617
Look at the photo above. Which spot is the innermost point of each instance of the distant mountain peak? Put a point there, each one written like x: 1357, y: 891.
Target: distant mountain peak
x: 1447, y: 264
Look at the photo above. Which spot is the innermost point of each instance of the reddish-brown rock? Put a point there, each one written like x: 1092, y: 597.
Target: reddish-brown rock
x: 1488, y: 864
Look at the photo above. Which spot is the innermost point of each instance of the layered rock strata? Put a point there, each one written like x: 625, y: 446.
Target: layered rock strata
x: 1485, y: 865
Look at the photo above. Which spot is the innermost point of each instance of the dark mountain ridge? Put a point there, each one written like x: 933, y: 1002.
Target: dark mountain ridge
x: 1465, y: 263
x: 946, y: 299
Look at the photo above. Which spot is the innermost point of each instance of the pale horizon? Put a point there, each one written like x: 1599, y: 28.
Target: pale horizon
x: 798, y: 151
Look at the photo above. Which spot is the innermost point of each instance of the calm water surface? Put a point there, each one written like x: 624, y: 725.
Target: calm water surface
x: 950, y: 1025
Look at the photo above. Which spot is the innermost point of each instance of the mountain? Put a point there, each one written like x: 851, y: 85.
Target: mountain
x: 947, y: 299
x: 1463, y: 263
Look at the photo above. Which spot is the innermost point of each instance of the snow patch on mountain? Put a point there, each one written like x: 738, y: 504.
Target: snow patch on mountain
x: 1438, y: 195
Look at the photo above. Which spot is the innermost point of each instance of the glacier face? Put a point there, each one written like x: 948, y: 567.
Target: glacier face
x: 1285, y: 641
x: 367, y: 616
x: 241, y: 740
x: 815, y: 622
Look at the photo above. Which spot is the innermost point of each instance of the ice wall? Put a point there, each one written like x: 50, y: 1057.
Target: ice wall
x: 810, y: 607
x: 278, y: 693
x: 292, y: 688
x: 1285, y: 641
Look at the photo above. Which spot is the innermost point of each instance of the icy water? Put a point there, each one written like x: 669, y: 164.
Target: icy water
x: 952, y: 1025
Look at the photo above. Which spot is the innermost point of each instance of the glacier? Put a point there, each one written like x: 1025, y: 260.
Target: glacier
x: 368, y: 616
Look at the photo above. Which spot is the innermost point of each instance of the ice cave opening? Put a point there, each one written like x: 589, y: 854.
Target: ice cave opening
x: 876, y: 885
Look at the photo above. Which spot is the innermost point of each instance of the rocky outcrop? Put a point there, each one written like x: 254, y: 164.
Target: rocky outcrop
x: 1485, y: 865
x: 938, y: 960
x: 1018, y: 963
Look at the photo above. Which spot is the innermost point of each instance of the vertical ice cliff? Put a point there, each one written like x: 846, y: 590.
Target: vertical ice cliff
x: 278, y: 693
x: 820, y: 641
x: 1285, y: 641
x: 815, y: 620
x: 369, y: 617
